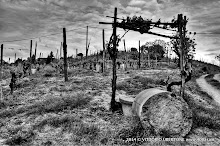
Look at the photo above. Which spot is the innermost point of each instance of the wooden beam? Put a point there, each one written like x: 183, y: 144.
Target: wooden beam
x: 65, y: 54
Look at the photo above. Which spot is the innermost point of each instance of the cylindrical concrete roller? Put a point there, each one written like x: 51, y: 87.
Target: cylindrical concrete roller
x: 142, y: 97
x: 168, y: 116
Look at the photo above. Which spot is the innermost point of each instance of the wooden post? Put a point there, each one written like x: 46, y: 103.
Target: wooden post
x: 1, y: 67
x: 65, y: 54
x: 126, y: 57
x: 61, y: 50
x: 148, y: 56
x: 15, y: 57
x: 86, y: 41
x: 139, y: 56
x: 57, y: 54
x: 180, y: 28
x: 103, y: 53
x: 76, y: 52
x: 35, y: 53
x: 1, y: 62
x: 30, y: 56
x: 113, y: 102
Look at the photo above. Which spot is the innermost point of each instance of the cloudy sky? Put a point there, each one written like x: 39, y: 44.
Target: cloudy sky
x: 25, y: 19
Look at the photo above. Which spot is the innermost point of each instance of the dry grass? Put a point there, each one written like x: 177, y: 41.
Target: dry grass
x: 212, y: 81
x: 63, y: 117
x: 51, y: 104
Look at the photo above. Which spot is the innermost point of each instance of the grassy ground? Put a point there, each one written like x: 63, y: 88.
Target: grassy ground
x: 45, y: 110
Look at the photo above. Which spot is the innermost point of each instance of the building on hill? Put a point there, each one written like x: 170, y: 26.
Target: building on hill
x: 42, y: 60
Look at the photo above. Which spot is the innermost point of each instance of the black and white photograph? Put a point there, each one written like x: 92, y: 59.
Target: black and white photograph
x: 109, y: 72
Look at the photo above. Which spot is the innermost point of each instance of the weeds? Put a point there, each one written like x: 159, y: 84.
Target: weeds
x: 20, y: 136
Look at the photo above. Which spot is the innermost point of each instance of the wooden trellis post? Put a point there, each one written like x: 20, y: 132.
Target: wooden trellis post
x: 126, y: 56
x: 114, y: 59
x: 182, y: 61
x: 30, y: 56
x: 61, y: 50
x: 139, y: 56
x: 1, y: 62
x: 86, y: 41
x: 15, y: 56
x: 1, y: 68
x: 35, y: 52
x: 65, y: 54
x: 103, y: 53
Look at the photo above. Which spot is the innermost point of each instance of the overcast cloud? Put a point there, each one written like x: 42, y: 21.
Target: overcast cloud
x: 21, y: 19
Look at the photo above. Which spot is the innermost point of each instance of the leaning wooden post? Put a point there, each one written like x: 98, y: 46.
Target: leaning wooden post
x: 114, y: 61
x: 139, y: 56
x: 65, y: 54
x: 1, y: 67
x: 103, y: 53
x: 30, y: 56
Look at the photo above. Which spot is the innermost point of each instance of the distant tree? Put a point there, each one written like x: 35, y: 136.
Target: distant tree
x: 18, y: 61
x: 189, y: 48
x: 80, y: 54
x: 50, y: 58
x: 155, y: 49
x: 133, y: 49
x: 217, y: 57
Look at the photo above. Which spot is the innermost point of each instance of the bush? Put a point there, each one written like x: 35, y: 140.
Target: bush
x: 49, y: 71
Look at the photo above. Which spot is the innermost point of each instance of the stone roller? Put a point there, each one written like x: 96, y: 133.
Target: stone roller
x: 169, y: 116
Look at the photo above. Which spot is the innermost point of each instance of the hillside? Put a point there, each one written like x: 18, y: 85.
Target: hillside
x: 48, y: 111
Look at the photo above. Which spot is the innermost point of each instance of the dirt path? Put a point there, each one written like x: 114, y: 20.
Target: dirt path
x: 217, y: 77
x: 213, y: 92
